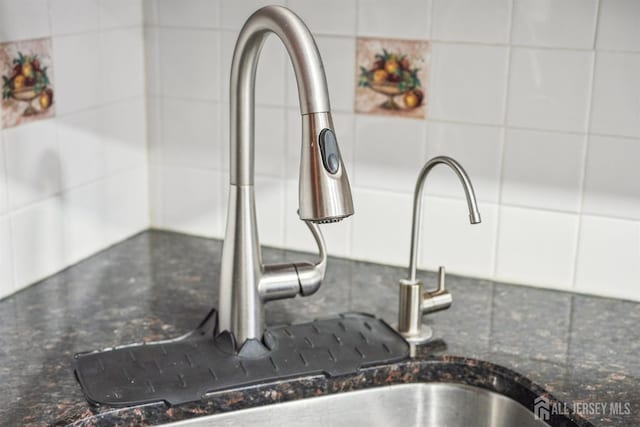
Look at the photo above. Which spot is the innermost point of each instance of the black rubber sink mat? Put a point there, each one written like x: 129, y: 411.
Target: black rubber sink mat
x: 185, y: 369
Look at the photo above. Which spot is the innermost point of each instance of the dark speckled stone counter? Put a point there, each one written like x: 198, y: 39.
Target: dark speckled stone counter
x: 159, y: 285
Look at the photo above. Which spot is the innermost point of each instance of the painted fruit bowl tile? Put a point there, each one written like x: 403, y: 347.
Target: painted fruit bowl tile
x: 27, y: 81
x: 392, y: 77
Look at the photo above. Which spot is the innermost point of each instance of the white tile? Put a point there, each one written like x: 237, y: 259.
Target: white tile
x: 271, y: 72
x: 191, y: 133
x: 127, y: 212
x: 468, y: 83
x: 122, y: 64
x: 618, y: 28
x: 191, y: 13
x: 338, y: 58
x: 403, y: 18
x: 23, y: 19
x: 381, y: 227
x: 120, y: 13
x: 124, y: 130
x: 560, y: 23
x: 536, y: 247
x: 270, y: 210
x: 6, y: 258
x: 549, y: 89
x: 609, y: 258
x: 389, y: 153
x: 337, y: 236
x: 82, y: 153
x: 33, y: 162
x: 485, y: 21
x: 4, y: 202
x: 190, y: 63
x: 612, y: 187
x: 336, y: 17
x: 76, y: 64
x: 448, y: 239
x: 479, y: 151
x: 345, y: 133
x: 270, y: 139
x: 84, y: 219
x: 234, y: 13
x: 616, y: 90
x: 192, y: 201
x: 73, y: 16
x: 37, y: 239
x: 543, y: 169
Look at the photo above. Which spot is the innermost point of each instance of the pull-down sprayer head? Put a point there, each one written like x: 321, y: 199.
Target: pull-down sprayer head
x: 324, y: 192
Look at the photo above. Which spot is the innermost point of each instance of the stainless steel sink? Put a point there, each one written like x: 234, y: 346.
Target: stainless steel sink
x: 421, y: 404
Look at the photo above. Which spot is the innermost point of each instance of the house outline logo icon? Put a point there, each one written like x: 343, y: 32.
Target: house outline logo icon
x: 541, y: 408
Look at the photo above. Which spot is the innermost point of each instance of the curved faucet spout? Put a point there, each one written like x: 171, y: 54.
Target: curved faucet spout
x: 308, y: 68
x: 474, y: 214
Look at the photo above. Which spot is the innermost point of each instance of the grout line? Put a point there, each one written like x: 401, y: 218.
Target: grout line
x: 63, y: 191
x: 96, y: 31
x: 503, y: 135
x: 512, y: 16
x: 222, y: 187
x: 153, y: 174
x: 356, y: 35
x: 96, y: 107
x: 583, y: 171
x: 7, y: 214
x: 597, y: 25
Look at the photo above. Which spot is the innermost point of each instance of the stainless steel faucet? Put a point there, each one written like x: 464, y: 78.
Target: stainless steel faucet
x: 414, y: 302
x: 324, y: 191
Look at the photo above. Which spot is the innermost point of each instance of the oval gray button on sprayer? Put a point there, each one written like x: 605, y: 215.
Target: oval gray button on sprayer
x: 329, y: 151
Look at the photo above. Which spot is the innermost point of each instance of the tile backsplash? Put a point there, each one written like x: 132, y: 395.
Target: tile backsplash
x: 75, y: 183
x: 538, y: 100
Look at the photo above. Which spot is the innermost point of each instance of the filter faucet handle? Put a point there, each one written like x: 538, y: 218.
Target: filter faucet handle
x: 438, y: 299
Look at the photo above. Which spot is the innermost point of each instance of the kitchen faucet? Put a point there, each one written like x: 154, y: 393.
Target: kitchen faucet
x: 414, y: 302
x: 324, y: 191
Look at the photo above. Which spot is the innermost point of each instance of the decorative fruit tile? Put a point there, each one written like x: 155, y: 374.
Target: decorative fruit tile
x: 392, y: 77
x: 27, y: 81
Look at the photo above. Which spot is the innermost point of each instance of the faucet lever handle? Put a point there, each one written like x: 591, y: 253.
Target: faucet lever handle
x: 441, y: 279
x: 438, y: 299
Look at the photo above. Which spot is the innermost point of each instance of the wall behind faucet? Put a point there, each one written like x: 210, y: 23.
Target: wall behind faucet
x: 539, y: 100
x: 76, y: 183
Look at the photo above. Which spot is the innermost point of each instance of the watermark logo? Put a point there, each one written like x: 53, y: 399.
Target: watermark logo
x: 541, y: 408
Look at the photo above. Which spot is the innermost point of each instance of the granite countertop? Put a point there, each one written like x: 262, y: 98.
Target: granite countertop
x: 159, y: 285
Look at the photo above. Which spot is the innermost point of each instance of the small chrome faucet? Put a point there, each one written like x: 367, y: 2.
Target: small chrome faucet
x: 324, y: 191
x: 414, y: 301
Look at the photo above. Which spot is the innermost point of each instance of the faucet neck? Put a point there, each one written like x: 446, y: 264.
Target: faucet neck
x: 245, y: 283
x: 309, y: 72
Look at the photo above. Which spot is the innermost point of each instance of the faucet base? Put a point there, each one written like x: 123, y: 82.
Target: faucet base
x: 188, y: 368
x: 424, y: 335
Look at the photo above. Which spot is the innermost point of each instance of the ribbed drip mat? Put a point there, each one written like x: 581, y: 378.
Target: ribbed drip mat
x: 185, y: 369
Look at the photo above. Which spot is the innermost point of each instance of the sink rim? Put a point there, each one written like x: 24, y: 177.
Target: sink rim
x: 421, y: 369
x: 380, y: 391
